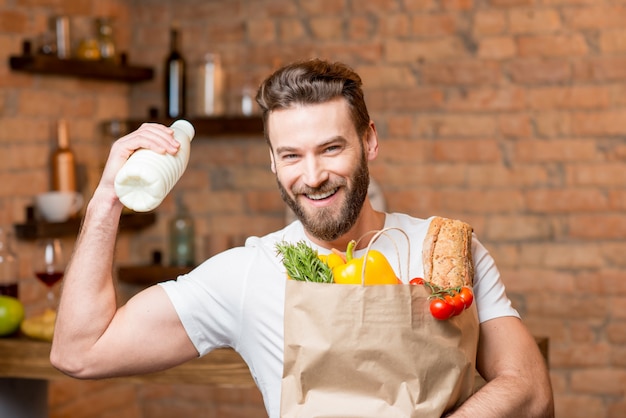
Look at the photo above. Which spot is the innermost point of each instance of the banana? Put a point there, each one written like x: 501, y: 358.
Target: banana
x: 40, y: 327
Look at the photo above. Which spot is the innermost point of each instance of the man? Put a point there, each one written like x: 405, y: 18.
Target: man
x: 321, y: 138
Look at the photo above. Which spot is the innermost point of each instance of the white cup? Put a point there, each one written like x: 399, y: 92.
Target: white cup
x: 58, y: 206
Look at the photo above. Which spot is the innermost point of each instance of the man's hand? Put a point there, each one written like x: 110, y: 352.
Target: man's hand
x: 155, y: 137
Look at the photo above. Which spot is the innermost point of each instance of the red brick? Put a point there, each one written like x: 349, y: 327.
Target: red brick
x: 497, y: 48
x: 462, y: 72
x: 469, y: 151
x: 527, y: 21
x: 395, y: 25
x: 420, y: 5
x: 496, y: 175
x: 518, y: 228
x: 487, y: 99
x: 512, y: 125
x: 581, y: 355
x: 487, y: 202
x: 579, y: 406
x: 405, y: 151
x: 385, y: 76
x: 597, y: 226
x: 510, y: 3
x: 585, y: 97
x: 561, y: 256
x: 601, y: 174
x: 595, y: 17
x: 13, y: 21
x: 540, y: 71
x: 613, y: 41
x: 605, y: 68
x: 489, y: 22
x: 599, y: 381
x: 261, y: 30
x: 409, y: 99
x: 552, y: 45
x: 460, y: 126
x: 434, y: 25
x: 435, y: 50
x: 531, y: 150
x: 327, y: 27
x: 361, y: 28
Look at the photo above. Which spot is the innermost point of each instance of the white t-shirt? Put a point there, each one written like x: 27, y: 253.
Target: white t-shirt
x: 236, y: 298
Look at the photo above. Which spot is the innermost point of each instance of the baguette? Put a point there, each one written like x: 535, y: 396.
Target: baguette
x: 447, y: 253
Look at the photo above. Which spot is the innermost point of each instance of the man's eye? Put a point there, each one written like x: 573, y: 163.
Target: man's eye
x: 332, y: 148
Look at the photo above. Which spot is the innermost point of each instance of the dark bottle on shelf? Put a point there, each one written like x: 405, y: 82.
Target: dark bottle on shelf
x: 9, y: 268
x: 181, y: 237
x: 175, y: 83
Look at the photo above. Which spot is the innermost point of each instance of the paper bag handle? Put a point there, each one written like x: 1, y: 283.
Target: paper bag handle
x: 377, y: 234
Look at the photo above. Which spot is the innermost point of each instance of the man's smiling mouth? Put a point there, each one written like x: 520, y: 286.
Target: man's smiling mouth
x: 321, y: 195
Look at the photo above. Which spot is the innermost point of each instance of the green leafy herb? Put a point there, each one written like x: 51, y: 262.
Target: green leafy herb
x: 302, y: 263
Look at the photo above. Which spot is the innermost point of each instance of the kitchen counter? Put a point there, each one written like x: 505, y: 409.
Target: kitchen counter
x: 29, y: 359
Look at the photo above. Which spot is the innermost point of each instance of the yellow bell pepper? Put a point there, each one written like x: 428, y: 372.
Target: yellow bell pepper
x: 332, y: 260
x: 377, y: 270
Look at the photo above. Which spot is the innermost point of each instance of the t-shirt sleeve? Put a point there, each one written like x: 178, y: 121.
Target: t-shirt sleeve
x: 489, y: 291
x: 208, y: 300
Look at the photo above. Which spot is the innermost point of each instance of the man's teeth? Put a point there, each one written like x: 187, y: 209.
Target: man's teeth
x: 320, y: 196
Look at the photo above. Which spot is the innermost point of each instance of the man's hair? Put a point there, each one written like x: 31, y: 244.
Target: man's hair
x: 312, y: 82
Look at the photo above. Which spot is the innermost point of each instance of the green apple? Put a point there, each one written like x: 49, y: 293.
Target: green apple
x: 11, y: 315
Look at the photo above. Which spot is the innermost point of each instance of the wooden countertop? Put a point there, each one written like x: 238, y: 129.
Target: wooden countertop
x: 26, y: 358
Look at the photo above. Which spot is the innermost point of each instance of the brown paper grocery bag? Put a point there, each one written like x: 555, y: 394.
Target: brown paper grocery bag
x: 373, y: 351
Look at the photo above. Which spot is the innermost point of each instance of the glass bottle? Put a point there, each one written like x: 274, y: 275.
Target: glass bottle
x: 9, y: 268
x: 63, y: 162
x: 175, y: 79
x: 210, y: 86
x: 181, y: 237
x: 147, y: 176
x: 105, y: 38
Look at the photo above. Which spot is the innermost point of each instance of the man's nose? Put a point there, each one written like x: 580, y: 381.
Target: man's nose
x: 315, y: 174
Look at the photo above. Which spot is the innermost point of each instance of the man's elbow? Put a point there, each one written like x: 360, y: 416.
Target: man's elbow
x: 544, y: 404
x: 69, y: 364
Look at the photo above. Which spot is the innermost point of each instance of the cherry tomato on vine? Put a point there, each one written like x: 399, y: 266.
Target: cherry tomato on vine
x: 467, y: 295
x: 456, y: 302
x: 440, y: 309
x: 417, y: 280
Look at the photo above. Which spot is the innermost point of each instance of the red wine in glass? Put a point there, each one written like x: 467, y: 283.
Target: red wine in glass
x: 9, y: 289
x: 49, y: 277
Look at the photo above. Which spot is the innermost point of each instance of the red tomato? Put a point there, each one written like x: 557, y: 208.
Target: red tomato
x: 417, y: 280
x: 456, y: 302
x: 440, y: 309
x: 467, y: 295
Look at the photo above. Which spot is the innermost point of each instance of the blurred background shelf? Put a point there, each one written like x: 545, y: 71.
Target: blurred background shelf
x: 101, y: 70
x: 206, y: 127
x: 35, y: 229
x: 149, y: 274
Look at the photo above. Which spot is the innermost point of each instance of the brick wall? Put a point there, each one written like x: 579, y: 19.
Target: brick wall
x: 508, y: 114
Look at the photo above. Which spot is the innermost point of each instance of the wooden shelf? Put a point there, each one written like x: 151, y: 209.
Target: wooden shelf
x: 150, y: 274
x: 101, y: 70
x: 24, y: 358
x: 217, y: 126
x: 38, y: 229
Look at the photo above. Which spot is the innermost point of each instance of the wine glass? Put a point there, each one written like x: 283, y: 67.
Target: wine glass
x: 49, y: 265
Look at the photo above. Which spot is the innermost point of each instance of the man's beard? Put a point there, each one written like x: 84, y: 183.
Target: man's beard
x: 323, y: 224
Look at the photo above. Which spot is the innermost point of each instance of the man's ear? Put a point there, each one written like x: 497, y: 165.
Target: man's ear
x: 272, y: 162
x: 371, y: 142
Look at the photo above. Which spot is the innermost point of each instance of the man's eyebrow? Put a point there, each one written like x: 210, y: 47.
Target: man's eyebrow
x: 330, y: 141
